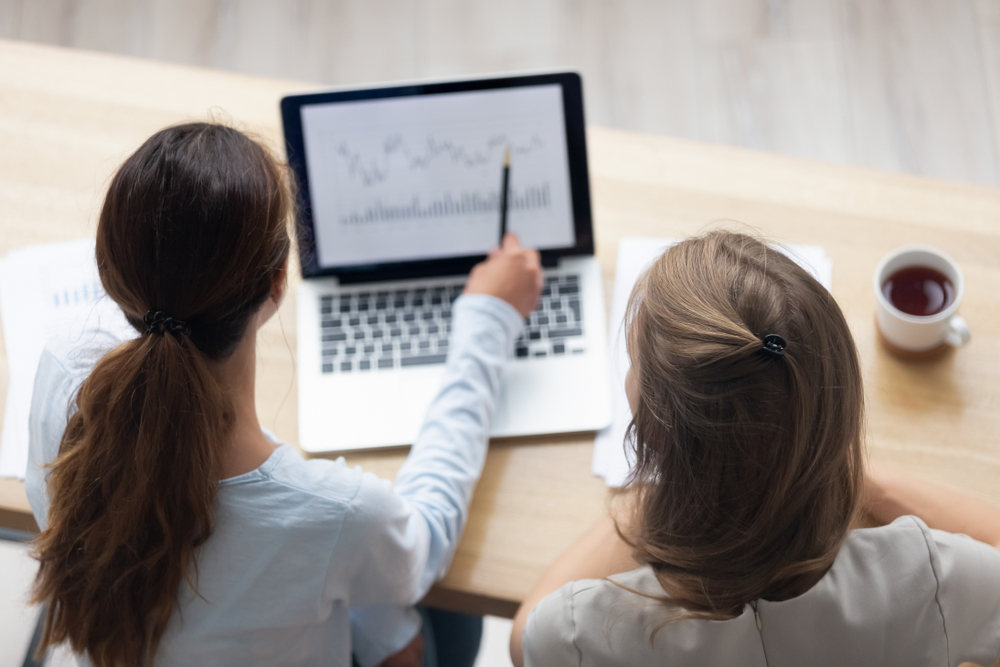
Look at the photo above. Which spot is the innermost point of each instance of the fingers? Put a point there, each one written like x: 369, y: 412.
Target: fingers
x: 511, y: 242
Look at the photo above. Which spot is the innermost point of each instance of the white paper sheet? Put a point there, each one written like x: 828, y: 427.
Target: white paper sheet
x: 611, y: 461
x: 45, y: 291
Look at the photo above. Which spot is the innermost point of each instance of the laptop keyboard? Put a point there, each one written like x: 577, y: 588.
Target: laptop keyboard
x: 374, y: 330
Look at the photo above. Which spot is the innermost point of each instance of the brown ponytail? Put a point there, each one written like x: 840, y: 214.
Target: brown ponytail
x: 749, y: 464
x: 194, y: 225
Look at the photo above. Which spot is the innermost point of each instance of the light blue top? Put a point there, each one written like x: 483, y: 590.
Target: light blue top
x: 310, y: 559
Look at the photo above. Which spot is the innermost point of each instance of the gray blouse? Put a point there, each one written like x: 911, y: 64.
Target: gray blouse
x: 901, y: 594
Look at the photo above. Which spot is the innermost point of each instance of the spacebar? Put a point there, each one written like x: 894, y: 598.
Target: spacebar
x: 425, y: 359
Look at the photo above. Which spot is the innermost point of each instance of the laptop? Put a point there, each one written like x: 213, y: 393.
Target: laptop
x: 399, y: 193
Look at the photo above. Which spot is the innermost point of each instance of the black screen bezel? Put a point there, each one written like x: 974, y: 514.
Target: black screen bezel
x: 572, y: 97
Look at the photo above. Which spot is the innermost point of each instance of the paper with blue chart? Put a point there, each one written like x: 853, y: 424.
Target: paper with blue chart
x: 612, y: 460
x: 45, y: 291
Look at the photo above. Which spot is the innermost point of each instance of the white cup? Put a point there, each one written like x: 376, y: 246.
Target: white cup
x: 918, y: 334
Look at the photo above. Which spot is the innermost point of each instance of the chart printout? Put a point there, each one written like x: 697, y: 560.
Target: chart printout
x: 415, y: 178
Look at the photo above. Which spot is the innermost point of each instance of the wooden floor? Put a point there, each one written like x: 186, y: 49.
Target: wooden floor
x: 911, y: 85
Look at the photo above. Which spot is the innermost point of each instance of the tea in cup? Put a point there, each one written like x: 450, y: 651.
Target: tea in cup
x: 918, y: 290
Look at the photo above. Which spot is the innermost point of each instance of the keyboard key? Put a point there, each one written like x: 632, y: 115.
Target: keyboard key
x: 354, y: 321
x: 364, y: 365
x: 327, y: 368
x: 369, y: 348
x: 334, y: 337
x: 385, y: 362
x: 563, y: 333
x: 423, y: 360
x: 424, y: 344
x: 346, y: 366
x: 521, y: 351
x: 387, y: 347
x: 558, y: 348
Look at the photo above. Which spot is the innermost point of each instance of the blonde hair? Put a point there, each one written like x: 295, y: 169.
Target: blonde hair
x: 749, y: 465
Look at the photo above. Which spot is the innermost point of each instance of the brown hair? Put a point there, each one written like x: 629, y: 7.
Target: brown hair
x: 749, y: 466
x: 195, y: 225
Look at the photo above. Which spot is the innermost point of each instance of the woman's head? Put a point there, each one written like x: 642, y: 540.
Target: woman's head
x: 749, y: 463
x: 194, y: 226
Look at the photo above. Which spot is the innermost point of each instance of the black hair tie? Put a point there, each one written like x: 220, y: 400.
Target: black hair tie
x: 158, y: 322
x: 774, y: 345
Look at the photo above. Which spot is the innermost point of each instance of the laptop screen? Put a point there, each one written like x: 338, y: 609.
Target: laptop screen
x: 407, y: 180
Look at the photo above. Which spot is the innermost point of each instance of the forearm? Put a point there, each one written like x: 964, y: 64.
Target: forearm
x: 439, y: 475
x: 892, y: 494
x: 598, y: 553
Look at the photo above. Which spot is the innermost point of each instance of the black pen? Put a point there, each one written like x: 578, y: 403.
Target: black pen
x: 504, y: 189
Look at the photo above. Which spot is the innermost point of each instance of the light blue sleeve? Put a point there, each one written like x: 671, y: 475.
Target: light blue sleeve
x: 403, y: 536
x: 378, y: 632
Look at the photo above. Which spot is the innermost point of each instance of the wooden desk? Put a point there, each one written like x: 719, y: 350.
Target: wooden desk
x: 68, y: 118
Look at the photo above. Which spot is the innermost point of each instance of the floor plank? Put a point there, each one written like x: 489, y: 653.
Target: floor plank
x: 908, y: 85
x: 917, y: 98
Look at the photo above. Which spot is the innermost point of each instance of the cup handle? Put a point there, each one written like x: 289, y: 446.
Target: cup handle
x: 957, y: 333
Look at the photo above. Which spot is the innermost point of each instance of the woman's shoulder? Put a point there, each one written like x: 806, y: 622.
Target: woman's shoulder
x: 626, y: 620
x: 315, y: 489
x: 287, y: 473
x: 884, y: 579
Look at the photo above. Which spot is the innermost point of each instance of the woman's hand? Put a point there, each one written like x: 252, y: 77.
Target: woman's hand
x: 412, y: 655
x: 511, y: 273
